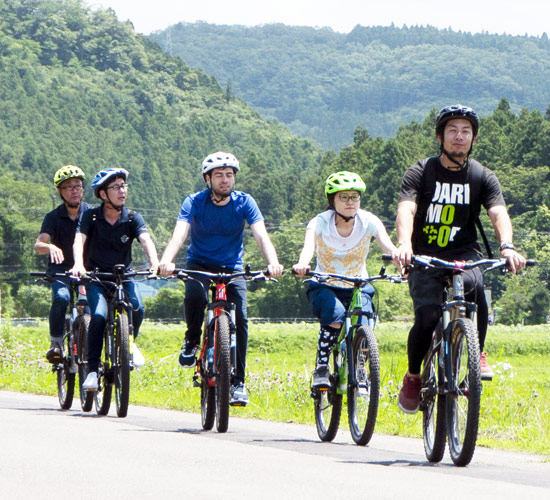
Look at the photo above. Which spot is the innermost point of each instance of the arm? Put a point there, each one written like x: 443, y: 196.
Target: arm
x: 504, y: 233
x: 266, y: 247
x: 404, y: 224
x: 385, y: 242
x: 179, y: 235
x: 44, y: 247
x: 78, y: 254
x: 150, y: 250
x: 306, y: 254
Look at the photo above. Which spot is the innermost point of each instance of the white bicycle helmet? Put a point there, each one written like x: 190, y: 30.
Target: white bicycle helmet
x: 103, y: 176
x: 219, y: 160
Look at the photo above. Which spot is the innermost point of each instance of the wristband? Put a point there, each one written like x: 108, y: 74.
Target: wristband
x: 507, y: 246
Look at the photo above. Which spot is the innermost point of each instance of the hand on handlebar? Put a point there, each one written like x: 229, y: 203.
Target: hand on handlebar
x: 515, y: 260
x: 166, y: 268
x: 275, y: 270
x: 300, y: 270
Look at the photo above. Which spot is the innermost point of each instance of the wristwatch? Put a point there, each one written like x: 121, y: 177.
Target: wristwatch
x: 507, y: 246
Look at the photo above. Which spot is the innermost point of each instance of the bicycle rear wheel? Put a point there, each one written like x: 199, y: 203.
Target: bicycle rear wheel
x: 121, y: 363
x: 104, y: 391
x: 328, y: 408
x: 463, y: 401
x: 432, y: 404
x: 65, y: 377
x: 208, y: 392
x: 363, y: 397
x: 222, y: 369
x: 80, y: 327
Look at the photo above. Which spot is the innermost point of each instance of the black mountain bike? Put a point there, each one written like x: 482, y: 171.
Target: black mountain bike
x: 217, y: 359
x: 450, y: 397
x: 74, y: 343
x: 115, y: 366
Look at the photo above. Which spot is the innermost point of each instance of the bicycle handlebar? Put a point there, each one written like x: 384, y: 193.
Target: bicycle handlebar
x: 459, y: 265
x: 394, y: 278
x: 185, y: 274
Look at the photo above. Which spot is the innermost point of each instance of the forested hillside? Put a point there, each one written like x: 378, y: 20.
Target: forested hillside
x: 78, y: 86
x: 323, y: 84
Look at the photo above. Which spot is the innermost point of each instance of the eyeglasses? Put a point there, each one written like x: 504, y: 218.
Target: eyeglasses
x: 77, y: 187
x: 118, y: 187
x: 354, y: 198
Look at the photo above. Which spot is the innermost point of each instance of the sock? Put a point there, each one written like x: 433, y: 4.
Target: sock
x: 328, y: 336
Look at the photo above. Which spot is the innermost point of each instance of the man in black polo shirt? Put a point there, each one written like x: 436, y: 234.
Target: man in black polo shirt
x: 107, y: 233
x: 56, y: 240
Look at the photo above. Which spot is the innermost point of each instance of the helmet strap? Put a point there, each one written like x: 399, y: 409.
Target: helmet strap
x: 118, y: 208
x: 346, y: 219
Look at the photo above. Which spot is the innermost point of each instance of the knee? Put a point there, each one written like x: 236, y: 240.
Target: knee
x: 427, y: 317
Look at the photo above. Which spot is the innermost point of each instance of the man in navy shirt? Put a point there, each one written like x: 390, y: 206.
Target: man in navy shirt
x: 56, y: 240
x: 107, y: 233
x: 215, y: 219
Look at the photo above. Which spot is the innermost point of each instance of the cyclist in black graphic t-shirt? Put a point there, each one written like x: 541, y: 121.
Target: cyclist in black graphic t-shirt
x: 439, y: 203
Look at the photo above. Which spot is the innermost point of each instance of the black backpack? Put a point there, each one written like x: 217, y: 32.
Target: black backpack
x: 475, y: 179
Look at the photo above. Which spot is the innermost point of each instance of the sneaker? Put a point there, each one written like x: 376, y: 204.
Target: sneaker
x: 187, y: 357
x: 239, y: 397
x: 409, y: 395
x: 90, y: 384
x: 321, y: 378
x: 486, y: 371
x: 137, y: 357
x: 55, y: 352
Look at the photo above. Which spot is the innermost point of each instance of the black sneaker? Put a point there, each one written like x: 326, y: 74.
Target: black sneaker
x: 239, y: 397
x: 187, y: 357
x: 55, y: 352
x: 321, y: 379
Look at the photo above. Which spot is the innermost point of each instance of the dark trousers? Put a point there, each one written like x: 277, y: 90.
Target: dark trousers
x: 195, y: 302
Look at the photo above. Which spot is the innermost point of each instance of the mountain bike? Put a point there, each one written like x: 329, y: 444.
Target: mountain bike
x: 116, y: 363
x: 217, y: 359
x: 356, y: 367
x: 450, y: 397
x: 74, y: 343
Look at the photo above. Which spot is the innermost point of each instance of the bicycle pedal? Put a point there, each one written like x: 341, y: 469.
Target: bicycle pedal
x: 237, y: 403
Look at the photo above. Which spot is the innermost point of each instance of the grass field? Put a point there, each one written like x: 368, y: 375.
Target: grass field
x: 515, y: 405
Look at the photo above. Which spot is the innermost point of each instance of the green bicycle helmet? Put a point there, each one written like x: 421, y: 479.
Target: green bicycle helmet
x: 68, y: 172
x: 344, y: 181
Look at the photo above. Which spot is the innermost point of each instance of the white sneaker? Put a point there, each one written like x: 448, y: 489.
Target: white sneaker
x: 137, y: 357
x: 90, y: 384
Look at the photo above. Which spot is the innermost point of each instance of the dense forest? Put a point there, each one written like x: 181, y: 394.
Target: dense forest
x: 80, y: 87
x: 323, y: 84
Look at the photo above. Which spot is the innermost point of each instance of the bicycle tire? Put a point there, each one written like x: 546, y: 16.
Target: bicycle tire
x: 433, y: 407
x: 208, y: 403
x: 121, y: 363
x: 363, y: 398
x: 104, y: 392
x: 463, y: 401
x: 81, y: 334
x: 328, y: 408
x: 65, y: 379
x: 222, y: 369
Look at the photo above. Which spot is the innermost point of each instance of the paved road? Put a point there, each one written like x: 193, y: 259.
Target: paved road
x: 48, y: 453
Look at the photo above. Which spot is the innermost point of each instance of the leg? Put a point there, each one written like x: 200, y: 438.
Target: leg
x: 134, y: 297
x: 60, y: 301
x: 237, y: 294
x: 98, y: 308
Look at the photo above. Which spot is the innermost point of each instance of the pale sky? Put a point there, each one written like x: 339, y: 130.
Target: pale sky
x: 514, y: 17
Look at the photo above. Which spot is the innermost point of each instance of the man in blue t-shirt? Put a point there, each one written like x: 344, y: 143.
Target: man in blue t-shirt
x: 56, y: 240
x: 215, y: 219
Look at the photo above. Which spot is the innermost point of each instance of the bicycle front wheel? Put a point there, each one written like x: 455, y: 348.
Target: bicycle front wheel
x: 121, y: 363
x: 80, y: 327
x: 432, y: 405
x: 363, y: 396
x: 222, y: 370
x: 65, y: 376
x: 464, y: 399
x: 328, y: 409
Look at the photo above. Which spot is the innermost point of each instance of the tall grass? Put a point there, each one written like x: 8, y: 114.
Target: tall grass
x: 515, y: 406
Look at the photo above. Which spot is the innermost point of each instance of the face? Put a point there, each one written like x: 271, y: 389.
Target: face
x: 222, y: 181
x: 347, y: 202
x: 71, y: 190
x: 458, y: 137
x: 115, y: 192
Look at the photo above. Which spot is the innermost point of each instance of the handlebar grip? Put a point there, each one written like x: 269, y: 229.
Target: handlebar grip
x: 530, y: 262
x: 386, y: 256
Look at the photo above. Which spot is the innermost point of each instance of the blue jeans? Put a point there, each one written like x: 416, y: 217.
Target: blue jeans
x: 61, y: 296
x: 97, y: 301
x: 330, y: 303
x: 195, y: 303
